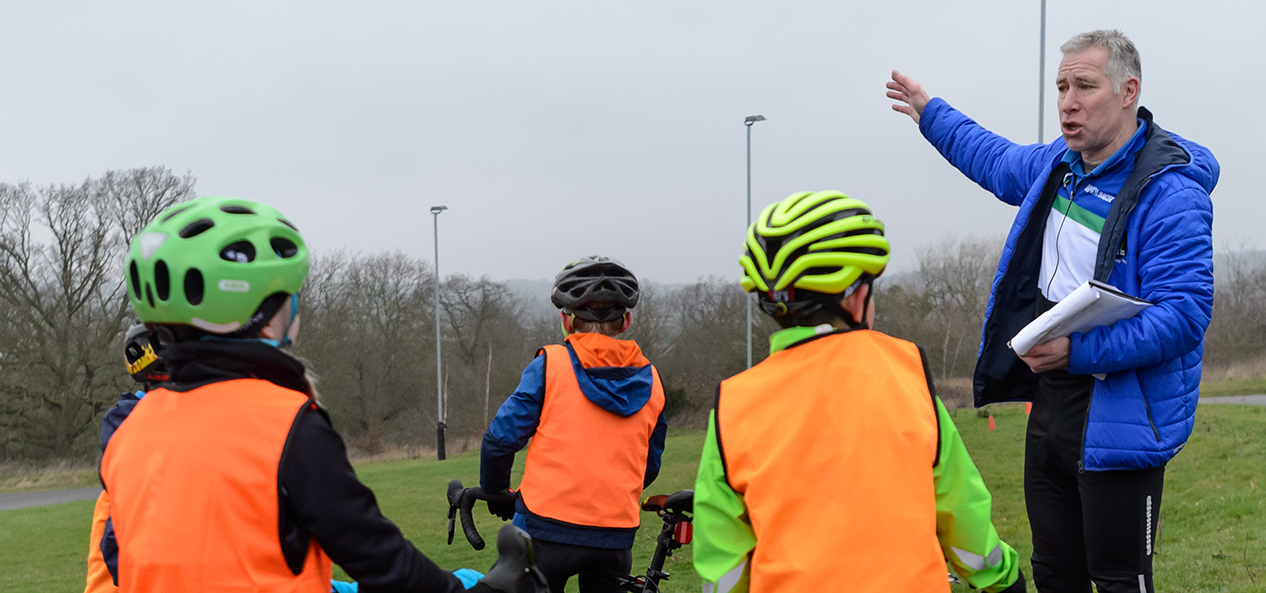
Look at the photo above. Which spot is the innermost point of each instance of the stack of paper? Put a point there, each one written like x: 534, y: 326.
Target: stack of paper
x: 1091, y: 305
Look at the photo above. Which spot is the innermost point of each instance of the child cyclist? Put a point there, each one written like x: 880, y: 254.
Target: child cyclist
x: 593, y: 407
x: 832, y: 465
x: 229, y: 477
x: 143, y: 365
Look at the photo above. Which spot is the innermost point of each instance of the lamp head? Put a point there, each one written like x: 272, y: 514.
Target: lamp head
x: 751, y: 119
x: 438, y: 209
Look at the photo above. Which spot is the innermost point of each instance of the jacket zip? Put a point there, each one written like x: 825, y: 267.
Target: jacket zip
x: 1081, y: 463
x: 1148, y: 409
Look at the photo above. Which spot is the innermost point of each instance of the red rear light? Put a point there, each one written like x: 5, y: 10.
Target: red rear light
x: 683, y: 532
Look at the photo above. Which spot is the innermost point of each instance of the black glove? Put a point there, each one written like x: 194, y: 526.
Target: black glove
x: 501, y: 504
x: 1018, y: 586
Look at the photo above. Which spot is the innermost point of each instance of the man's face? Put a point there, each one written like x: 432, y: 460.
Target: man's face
x: 1092, y: 113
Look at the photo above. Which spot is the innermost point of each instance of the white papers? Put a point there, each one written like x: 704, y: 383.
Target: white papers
x: 1091, y: 305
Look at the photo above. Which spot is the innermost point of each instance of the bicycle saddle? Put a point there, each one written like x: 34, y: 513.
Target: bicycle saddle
x: 678, y: 502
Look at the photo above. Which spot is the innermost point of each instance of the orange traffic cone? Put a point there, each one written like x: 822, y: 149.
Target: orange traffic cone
x: 1028, y: 407
x: 992, y: 426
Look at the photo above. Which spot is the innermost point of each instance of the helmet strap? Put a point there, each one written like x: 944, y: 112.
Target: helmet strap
x: 287, y: 337
x: 566, y: 321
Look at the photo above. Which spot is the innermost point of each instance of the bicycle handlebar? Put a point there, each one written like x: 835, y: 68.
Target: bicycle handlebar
x: 460, y: 502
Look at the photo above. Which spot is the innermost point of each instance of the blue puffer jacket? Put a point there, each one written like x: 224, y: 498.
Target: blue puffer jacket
x: 1156, y: 244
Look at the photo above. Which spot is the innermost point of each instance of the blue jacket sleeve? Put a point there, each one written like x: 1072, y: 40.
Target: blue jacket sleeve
x: 515, y: 423
x: 655, y: 453
x: 110, y: 551
x: 1175, y: 262
x: 1002, y: 167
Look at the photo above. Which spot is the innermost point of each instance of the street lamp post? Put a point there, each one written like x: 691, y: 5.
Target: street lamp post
x: 439, y: 380
x: 751, y: 119
x: 1041, y: 78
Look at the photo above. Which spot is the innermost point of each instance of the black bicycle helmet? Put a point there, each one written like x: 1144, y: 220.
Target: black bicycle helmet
x: 595, y: 288
x: 141, y: 356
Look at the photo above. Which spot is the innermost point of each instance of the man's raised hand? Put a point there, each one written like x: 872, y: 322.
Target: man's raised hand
x: 908, y: 91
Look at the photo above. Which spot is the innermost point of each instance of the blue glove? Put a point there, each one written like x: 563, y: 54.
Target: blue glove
x: 468, y: 577
x: 341, y: 587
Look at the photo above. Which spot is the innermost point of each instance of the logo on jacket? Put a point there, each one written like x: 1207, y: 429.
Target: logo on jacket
x: 1098, y: 193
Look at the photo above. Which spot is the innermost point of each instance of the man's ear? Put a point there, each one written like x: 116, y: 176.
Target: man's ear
x: 566, y: 322
x: 628, y: 320
x: 1130, y: 93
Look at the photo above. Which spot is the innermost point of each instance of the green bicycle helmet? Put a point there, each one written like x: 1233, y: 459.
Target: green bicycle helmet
x: 212, y: 262
x: 804, y: 252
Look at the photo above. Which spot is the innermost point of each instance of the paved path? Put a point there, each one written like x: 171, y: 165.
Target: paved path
x: 1250, y: 400
x: 22, y: 500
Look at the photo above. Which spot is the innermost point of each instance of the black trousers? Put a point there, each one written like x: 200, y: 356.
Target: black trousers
x: 598, y: 568
x: 1087, y: 525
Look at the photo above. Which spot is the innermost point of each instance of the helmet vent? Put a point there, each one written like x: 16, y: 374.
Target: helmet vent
x: 283, y: 247
x: 289, y: 224
x: 173, y: 214
x: 162, y: 280
x: 231, y: 209
x: 136, y: 280
x: 196, y: 228
x: 149, y: 295
x: 241, y: 252
x: 193, y: 286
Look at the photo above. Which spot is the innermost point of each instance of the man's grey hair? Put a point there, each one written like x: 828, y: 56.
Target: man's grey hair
x: 1123, y: 58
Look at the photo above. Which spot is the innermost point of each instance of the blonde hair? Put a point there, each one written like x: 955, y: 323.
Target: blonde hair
x: 611, y: 329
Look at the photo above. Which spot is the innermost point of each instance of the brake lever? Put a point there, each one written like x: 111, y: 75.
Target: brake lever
x: 455, y: 492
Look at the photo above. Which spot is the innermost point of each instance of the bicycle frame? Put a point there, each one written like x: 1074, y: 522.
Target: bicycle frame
x: 676, y: 532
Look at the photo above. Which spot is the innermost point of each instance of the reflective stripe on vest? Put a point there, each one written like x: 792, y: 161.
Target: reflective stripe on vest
x: 831, y: 443
x: 194, y: 497
x: 585, y: 465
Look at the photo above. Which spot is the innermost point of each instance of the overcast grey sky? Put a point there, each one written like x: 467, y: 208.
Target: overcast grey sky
x: 557, y: 129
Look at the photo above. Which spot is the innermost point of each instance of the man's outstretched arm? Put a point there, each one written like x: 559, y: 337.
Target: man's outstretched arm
x: 1002, y: 167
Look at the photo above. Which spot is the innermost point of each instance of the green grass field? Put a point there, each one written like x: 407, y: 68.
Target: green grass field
x: 1234, y: 387
x: 1213, y: 534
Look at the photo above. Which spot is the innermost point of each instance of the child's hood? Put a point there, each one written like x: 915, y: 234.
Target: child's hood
x: 612, y: 373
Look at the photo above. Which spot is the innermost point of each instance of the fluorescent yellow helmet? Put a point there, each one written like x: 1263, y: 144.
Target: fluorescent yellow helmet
x: 809, y: 245
x: 820, y: 241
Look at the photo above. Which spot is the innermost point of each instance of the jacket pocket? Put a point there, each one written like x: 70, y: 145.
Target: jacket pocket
x: 1150, y: 422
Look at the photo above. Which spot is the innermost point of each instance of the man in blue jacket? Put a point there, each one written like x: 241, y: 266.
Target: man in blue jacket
x: 1119, y: 200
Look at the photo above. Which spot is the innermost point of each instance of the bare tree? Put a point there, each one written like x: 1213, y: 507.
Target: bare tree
x: 365, y: 331
x: 62, y: 290
x: 956, y: 275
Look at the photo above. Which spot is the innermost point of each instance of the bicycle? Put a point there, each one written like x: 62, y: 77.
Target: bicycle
x: 676, y: 510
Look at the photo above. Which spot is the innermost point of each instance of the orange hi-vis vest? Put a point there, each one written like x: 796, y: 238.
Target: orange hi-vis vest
x: 831, y: 443
x: 99, y: 579
x: 586, y: 465
x: 194, y: 495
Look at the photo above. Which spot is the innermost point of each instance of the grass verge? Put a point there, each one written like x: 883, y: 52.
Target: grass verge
x: 1213, y: 512
x: 60, y: 476
x: 1255, y: 386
